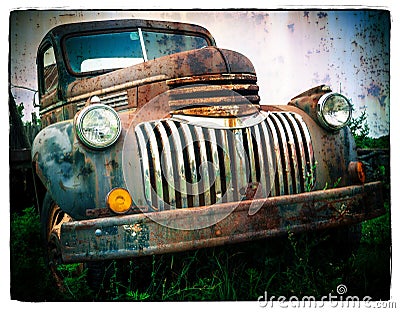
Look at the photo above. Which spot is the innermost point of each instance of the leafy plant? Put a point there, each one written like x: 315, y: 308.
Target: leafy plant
x: 26, y: 259
x: 359, y: 128
x: 382, y: 142
x: 74, y: 282
x: 310, y: 177
x: 137, y: 296
x: 20, y: 110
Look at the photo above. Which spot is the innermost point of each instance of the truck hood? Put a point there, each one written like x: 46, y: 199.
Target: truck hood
x: 205, y: 61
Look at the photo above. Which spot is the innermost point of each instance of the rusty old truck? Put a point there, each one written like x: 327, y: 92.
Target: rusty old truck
x: 154, y: 140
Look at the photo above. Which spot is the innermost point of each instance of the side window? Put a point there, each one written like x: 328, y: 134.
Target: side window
x: 50, y: 70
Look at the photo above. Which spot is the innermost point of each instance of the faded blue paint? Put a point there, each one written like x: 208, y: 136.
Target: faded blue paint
x: 374, y: 90
x: 364, y: 56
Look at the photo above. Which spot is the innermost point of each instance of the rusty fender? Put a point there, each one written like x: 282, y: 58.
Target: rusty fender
x: 139, y: 234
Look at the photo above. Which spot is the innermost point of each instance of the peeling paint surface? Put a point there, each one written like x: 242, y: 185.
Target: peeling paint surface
x: 291, y: 51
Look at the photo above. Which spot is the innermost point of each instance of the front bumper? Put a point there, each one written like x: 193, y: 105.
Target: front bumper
x: 141, y: 234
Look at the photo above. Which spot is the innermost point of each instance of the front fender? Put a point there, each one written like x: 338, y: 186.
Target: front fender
x: 77, y: 177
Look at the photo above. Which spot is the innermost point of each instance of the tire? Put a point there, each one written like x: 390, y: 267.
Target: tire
x: 51, y: 219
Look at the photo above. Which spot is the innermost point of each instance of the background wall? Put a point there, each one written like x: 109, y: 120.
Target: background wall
x: 291, y: 50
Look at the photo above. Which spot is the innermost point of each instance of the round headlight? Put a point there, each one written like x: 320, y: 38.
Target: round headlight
x: 98, y: 126
x: 334, y: 111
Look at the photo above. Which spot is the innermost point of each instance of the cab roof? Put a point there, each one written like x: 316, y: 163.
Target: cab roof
x: 60, y: 31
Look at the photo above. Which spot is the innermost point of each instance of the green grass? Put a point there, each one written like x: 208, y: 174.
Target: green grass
x: 26, y: 259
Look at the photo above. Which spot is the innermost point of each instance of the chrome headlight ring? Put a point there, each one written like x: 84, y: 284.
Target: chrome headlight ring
x: 334, y: 111
x: 98, y: 126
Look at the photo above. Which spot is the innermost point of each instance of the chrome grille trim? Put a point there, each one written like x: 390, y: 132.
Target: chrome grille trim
x: 179, y: 165
x: 202, y: 165
x: 144, y: 156
x: 299, y: 165
x: 166, y: 164
x: 215, y: 176
x: 114, y: 100
x: 188, y: 165
x: 307, y: 145
x: 281, y: 155
x: 270, y: 161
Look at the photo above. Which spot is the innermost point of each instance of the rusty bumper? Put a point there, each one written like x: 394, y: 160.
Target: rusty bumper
x: 143, y: 234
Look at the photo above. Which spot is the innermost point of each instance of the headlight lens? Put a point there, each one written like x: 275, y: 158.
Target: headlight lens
x: 334, y: 111
x: 98, y: 126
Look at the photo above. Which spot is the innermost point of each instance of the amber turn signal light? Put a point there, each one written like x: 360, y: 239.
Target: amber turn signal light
x: 119, y: 200
x: 357, y: 172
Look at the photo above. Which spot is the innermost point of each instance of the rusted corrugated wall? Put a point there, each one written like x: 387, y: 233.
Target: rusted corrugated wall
x: 291, y: 50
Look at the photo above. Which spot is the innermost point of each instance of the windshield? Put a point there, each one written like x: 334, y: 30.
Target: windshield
x: 99, y: 52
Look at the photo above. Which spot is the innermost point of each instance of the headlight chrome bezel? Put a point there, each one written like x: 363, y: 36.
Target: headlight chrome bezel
x: 322, y: 118
x: 109, y: 113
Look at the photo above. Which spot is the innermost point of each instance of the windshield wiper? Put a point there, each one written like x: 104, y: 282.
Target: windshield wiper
x: 142, y: 45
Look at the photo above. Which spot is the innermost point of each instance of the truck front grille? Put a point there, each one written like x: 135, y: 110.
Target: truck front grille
x: 188, y: 166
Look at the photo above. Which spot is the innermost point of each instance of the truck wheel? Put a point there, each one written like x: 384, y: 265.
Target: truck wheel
x: 51, y: 219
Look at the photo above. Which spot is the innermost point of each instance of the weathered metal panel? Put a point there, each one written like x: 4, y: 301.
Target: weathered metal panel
x: 175, y: 230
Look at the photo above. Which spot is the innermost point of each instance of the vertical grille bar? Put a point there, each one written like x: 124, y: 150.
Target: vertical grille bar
x: 260, y: 147
x: 178, y: 163
x: 202, y: 168
x: 145, y: 163
x: 192, y: 188
x: 300, y: 153
x: 309, y: 153
x: 250, y: 154
x: 279, y: 186
x: 238, y: 163
x: 222, y: 140
x: 158, y: 184
x: 167, y: 165
x: 293, y: 166
x: 216, y: 163
x: 268, y: 159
